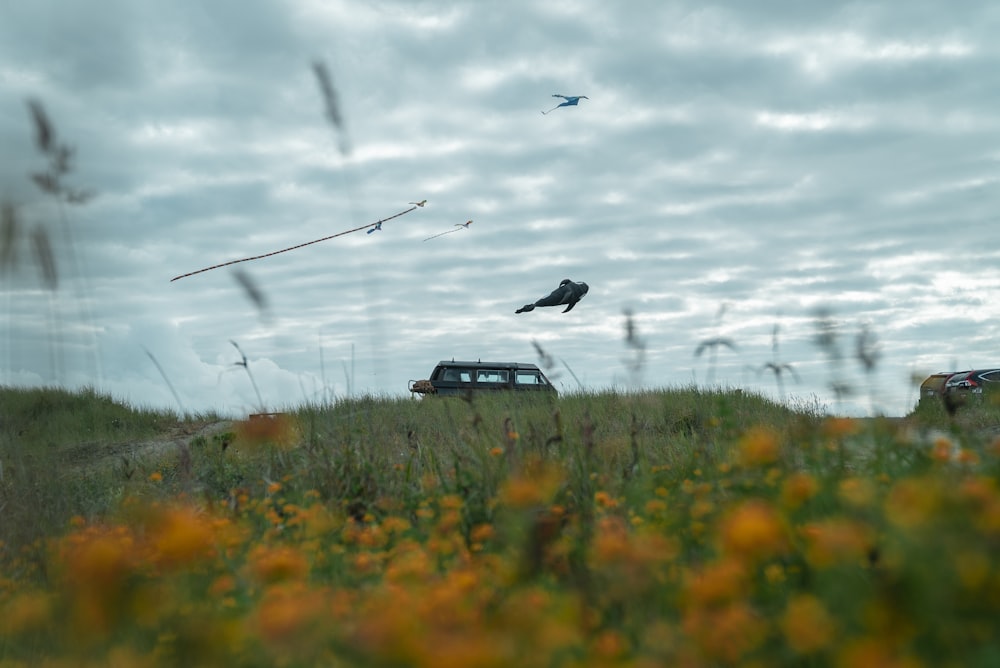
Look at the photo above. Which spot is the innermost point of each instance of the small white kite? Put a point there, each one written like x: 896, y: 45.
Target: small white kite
x: 458, y: 226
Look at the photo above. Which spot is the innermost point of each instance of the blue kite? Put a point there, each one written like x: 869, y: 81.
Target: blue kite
x: 570, y: 101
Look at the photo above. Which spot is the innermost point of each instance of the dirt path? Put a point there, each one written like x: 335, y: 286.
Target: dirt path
x: 97, y: 455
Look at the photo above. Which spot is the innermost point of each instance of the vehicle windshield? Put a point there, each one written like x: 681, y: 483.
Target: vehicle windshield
x: 529, y: 378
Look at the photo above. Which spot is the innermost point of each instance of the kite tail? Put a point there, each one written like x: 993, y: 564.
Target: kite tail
x: 285, y: 250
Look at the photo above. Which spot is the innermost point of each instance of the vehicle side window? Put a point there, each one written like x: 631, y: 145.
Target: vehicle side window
x: 528, y: 378
x: 491, y: 376
x: 456, y: 375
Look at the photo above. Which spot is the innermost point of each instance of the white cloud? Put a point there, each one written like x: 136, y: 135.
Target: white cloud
x: 820, y: 121
x: 825, y: 53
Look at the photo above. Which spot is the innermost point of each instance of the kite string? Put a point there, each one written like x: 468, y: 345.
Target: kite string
x: 285, y: 250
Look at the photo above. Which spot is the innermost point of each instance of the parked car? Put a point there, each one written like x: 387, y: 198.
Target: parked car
x: 934, y: 385
x: 980, y: 381
x: 463, y: 377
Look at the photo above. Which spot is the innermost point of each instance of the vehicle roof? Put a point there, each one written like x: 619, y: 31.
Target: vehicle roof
x: 489, y: 365
x: 976, y: 372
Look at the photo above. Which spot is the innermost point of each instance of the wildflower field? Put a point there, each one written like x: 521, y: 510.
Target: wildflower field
x: 679, y: 527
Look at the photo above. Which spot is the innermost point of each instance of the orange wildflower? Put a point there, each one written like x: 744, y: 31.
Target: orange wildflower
x: 181, y: 536
x: 655, y: 507
x: 535, y: 485
x: 451, y: 502
x: 857, y: 492
x: 797, y: 489
x: 610, y: 541
x: 911, y: 502
x: 318, y: 521
x: 836, y: 540
x: 481, y: 533
x: 873, y: 653
x: 604, y: 500
x: 942, y: 449
x: 758, y: 446
x: 275, y: 429
x: 222, y: 585
x: 365, y: 563
x: 967, y: 457
x: 973, y: 568
x: 807, y: 625
x: 753, y: 529
x: 726, y: 633
x: 274, y: 564
x: 837, y: 427
x: 28, y: 611
x: 98, y: 564
x: 288, y: 616
x: 609, y: 645
x: 394, y: 524
x: 715, y: 583
x: 408, y: 560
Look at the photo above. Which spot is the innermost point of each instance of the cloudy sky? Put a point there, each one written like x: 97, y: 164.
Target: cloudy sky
x: 738, y: 169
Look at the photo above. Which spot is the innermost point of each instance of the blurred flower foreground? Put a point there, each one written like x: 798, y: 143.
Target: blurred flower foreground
x: 841, y: 545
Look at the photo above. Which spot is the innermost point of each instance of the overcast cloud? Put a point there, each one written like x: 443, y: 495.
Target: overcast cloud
x: 737, y: 167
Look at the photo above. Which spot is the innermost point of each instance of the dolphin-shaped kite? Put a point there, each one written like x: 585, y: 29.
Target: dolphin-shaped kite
x: 568, y: 293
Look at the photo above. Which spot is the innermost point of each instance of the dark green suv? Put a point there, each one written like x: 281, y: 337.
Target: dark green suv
x: 462, y: 377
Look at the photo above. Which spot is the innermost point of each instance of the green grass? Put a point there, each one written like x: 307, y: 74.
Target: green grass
x: 49, y: 437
